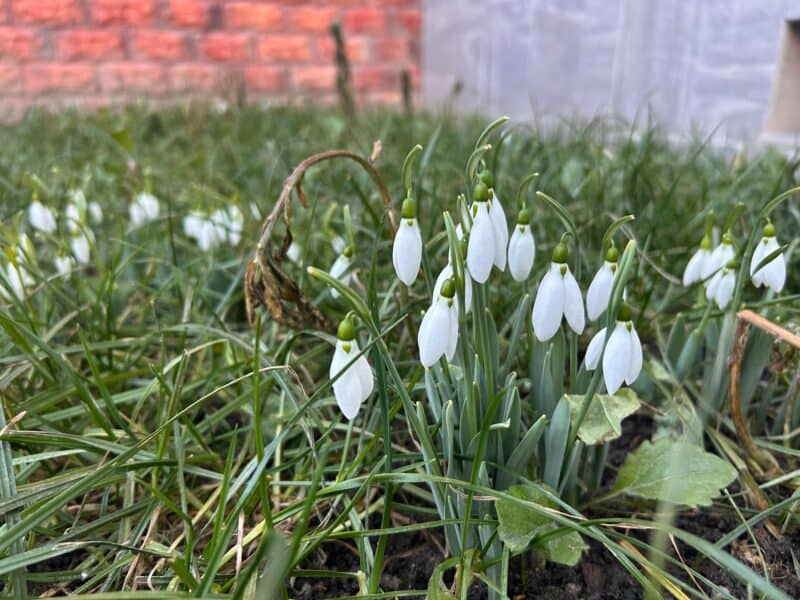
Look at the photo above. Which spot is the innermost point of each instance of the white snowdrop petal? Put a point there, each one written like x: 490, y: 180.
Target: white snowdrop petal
x: 694, y: 268
x: 573, y: 303
x: 434, y: 333
x: 594, y: 350
x: 724, y: 289
x: 774, y: 273
x: 365, y: 377
x: 338, y: 244
x: 452, y: 334
x: 712, y: 285
x: 500, y: 230
x: 444, y: 275
x: 341, y: 357
x: 407, y: 251
x: 635, y: 363
x: 96, y: 211
x: 521, y: 252
x: 72, y: 214
x: 759, y: 252
x: 339, y: 266
x: 41, y: 217
x: 616, y: 358
x: 64, y: 265
x: 80, y: 248
x: 480, y: 247
x: 599, y: 291
x: 548, y: 306
x: 348, y: 393
x: 293, y: 252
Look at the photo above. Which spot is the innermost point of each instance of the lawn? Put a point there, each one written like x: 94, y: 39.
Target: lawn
x: 172, y: 423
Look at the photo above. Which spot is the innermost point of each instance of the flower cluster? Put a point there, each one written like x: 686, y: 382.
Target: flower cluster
x: 716, y: 268
x: 223, y: 226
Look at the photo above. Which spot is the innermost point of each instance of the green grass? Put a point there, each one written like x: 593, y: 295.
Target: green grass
x: 161, y: 441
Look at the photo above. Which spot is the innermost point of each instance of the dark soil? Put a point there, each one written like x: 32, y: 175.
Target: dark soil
x: 411, y: 558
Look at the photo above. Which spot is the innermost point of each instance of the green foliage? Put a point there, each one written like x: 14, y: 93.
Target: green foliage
x: 674, y: 470
x: 603, y: 421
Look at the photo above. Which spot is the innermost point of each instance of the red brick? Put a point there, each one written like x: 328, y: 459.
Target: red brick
x: 355, y: 47
x: 189, y: 13
x: 47, y: 12
x: 19, y: 43
x: 194, y: 77
x: 88, y: 43
x: 370, y: 78
x: 226, y: 46
x: 10, y: 79
x: 364, y: 20
x: 410, y: 20
x: 160, y: 44
x: 290, y: 48
x: 132, y: 77
x: 394, y: 49
x: 313, y: 78
x: 47, y: 77
x: 264, y: 78
x: 123, y: 12
x: 253, y: 15
x: 311, y: 18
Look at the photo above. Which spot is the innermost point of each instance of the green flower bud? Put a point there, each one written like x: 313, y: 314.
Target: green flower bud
x: 705, y: 243
x: 727, y: 238
x: 448, y: 288
x: 769, y: 230
x: 612, y: 254
x: 523, y: 218
x: 625, y: 312
x: 560, y: 253
x: 487, y: 178
x: 346, y: 331
x: 480, y: 193
x: 409, y: 210
x: 348, y: 251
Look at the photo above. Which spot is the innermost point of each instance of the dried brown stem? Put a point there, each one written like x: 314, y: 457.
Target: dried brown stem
x: 266, y: 283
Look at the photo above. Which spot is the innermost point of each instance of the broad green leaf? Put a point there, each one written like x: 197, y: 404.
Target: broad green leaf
x: 564, y: 548
x: 521, y: 525
x: 674, y: 470
x: 603, y: 420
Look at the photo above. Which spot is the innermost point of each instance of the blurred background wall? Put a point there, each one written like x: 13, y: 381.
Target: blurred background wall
x: 95, y: 52
x: 703, y: 63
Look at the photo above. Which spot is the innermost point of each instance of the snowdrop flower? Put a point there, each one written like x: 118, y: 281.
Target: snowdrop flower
x: 481, y: 245
x: 407, y: 248
x: 293, y: 253
x: 622, y: 360
x: 600, y: 289
x: 96, y: 211
x: 41, y: 217
x: 15, y: 271
x: 720, y: 286
x: 228, y: 225
x: 521, y: 248
x: 700, y: 265
x: 143, y: 209
x: 722, y: 254
x: 80, y: 245
x: 445, y: 275
x: 64, y: 265
x: 500, y: 228
x: 355, y: 384
x: 72, y: 214
x: 341, y: 268
x: 773, y: 274
x: 193, y: 224
x: 438, y: 333
x: 558, y: 296
x: 338, y: 244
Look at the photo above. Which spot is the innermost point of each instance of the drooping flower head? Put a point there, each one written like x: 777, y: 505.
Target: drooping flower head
x: 481, y: 244
x: 721, y: 285
x: 41, y: 217
x: 521, y: 248
x: 700, y: 265
x: 144, y: 208
x: 340, y: 269
x: 622, y: 359
x: 599, y: 292
x: 438, y: 333
x: 356, y: 382
x: 722, y: 254
x: 407, y: 248
x: 772, y: 274
x: 558, y: 296
x: 498, y: 217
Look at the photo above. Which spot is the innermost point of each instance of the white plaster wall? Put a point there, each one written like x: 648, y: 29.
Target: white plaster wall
x: 691, y: 63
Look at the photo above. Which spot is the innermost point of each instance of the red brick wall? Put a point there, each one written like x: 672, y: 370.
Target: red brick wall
x: 95, y: 52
